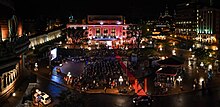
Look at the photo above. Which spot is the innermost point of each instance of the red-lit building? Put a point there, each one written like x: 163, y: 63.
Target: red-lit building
x: 107, y: 30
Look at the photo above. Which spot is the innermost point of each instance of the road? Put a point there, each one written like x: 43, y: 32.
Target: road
x: 207, y: 98
x: 194, y: 99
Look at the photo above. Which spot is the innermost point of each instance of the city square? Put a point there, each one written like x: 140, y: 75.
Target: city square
x: 110, y: 60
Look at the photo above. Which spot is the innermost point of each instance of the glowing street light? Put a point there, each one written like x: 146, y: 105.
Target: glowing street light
x: 179, y: 79
x: 190, y: 49
x: 163, y: 57
x: 126, y: 48
x: 14, y: 94
x: 174, y: 52
x: 210, y: 55
x: 35, y: 67
x: 120, y: 80
x: 210, y: 67
x: 201, y: 64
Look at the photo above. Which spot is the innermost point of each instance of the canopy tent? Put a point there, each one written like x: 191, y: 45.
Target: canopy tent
x: 171, y: 71
x: 173, y: 61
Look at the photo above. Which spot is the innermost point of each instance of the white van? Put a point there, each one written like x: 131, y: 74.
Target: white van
x: 45, y: 98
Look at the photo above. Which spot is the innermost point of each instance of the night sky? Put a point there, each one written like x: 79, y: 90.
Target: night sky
x: 146, y: 9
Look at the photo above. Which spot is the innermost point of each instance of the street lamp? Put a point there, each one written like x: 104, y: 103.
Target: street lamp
x: 179, y: 79
x: 120, y: 80
x: 190, y: 49
x: 210, y: 55
x: 161, y: 48
x: 210, y: 67
x: 35, y: 67
x: 173, y: 43
x: 201, y: 64
x: 174, y: 52
x: 14, y: 94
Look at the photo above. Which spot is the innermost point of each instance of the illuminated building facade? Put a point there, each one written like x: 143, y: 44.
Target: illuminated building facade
x: 185, y: 19
x: 199, y: 21
x: 208, y: 27
x: 108, y: 30
x: 12, y: 48
x: 162, y: 27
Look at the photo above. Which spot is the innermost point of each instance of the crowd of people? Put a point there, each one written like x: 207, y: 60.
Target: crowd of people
x: 101, y: 73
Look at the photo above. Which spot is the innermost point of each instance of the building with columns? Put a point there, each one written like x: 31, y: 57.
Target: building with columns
x: 13, y: 46
x: 108, y: 30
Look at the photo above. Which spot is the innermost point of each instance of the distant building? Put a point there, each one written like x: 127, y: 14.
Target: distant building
x: 186, y: 23
x: 198, y: 20
x: 162, y: 27
x: 208, y: 27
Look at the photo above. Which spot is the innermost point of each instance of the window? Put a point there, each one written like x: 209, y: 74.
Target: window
x: 105, y: 31
x: 113, y: 32
x: 98, y: 31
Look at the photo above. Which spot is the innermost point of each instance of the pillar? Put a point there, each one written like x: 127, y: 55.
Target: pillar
x: 145, y: 85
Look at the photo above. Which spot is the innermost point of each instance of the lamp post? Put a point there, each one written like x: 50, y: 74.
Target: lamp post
x: 35, y: 67
x: 201, y: 64
x: 120, y: 80
x: 179, y: 79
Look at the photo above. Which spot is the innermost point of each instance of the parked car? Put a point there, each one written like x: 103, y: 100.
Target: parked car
x: 41, y: 97
x: 142, y: 100
x: 45, y: 98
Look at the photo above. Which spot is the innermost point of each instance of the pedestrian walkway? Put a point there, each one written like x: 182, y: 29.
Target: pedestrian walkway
x: 138, y: 89
x: 15, y: 100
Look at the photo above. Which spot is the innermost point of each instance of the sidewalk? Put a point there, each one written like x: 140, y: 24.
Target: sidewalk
x: 14, y: 101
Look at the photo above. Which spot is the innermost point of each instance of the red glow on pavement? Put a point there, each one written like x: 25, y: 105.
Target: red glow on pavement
x: 138, y: 89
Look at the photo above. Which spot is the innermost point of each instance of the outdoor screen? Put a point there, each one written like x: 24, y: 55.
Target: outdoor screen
x: 53, y: 53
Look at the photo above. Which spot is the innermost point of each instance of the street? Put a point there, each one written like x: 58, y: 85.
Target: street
x: 207, y: 98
